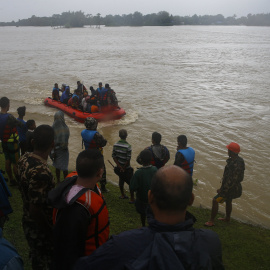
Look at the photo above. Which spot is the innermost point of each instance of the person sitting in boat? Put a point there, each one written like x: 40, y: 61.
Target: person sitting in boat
x: 102, y: 94
x: 92, y: 105
x: 74, y: 102
x: 93, y: 91
x: 63, y: 87
x: 80, y: 87
x: 80, y: 96
x: 112, y: 99
x: 84, y: 100
x: 65, y: 95
x: 55, y: 92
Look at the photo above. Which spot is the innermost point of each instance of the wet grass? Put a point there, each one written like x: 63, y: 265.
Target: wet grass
x: 244, y: 246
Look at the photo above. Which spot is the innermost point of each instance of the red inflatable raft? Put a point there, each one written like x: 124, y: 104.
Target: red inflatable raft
x: 106, y: 114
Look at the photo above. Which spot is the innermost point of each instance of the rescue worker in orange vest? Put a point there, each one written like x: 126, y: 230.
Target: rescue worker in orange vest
x: 81, y: 221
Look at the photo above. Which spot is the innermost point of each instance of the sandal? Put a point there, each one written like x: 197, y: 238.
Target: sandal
x: 209, y: 224
x: 223, y: 219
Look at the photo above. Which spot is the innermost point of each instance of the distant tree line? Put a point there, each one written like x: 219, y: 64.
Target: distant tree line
x: 162, y: 18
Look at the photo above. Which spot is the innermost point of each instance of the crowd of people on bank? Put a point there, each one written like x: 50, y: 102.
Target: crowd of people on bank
x: 66, y: 223
x: 82, y: 100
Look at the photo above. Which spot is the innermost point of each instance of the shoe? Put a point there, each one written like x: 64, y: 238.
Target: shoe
x: 104, y: 190
x: 131, y: 202
x: 209, y: 224
x: 125, y: 197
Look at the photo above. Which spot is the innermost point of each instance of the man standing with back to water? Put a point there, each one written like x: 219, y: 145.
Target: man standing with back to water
x: 231, y: 187
x: 121, y: 155
x: 170, y: 241
x: 184, y: 157
x: 160, y: 153
x: 35, y: 181
x: 10, y: 138
x: 80, y: 216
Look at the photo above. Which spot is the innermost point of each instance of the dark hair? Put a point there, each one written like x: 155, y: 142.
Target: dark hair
x: 123, y: 134
x: 29, y: 123
x: 43, y: 137
x: 100, y: 83
x: 171, y: 195
x: 107, y: 85
x: 89, y: 162
x: 21, y: 111
x: 182, y: 139
x: 146, y: 157
x: 156, y: 137
x: 4, y: 102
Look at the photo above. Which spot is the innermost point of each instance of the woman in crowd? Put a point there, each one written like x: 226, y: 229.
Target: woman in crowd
x: 61, y: 153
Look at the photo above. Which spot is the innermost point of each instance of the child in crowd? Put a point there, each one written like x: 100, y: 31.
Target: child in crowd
x: 31, y: 125
x: 22, y: 130
x: 141, y: 182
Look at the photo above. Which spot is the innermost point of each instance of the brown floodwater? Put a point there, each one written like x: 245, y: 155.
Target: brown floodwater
x: 210, y: 83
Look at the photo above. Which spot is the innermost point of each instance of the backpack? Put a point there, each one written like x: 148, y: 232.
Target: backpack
x: 174, y: 250
x: 159, y: 162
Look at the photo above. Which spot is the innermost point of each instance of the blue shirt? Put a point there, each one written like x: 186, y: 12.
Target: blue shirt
x: 102, y: 91
x: 9, y: 258
x: 64, y: 96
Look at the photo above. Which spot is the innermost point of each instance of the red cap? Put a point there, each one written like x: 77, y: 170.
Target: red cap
x: 234, y: 147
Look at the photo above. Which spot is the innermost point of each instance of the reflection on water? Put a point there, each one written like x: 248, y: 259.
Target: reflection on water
x: 208, y: 82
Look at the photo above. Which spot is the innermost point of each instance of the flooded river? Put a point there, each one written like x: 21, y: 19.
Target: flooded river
x: 210, y: 83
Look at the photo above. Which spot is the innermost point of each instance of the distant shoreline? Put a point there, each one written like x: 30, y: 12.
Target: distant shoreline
x: 162, y: 18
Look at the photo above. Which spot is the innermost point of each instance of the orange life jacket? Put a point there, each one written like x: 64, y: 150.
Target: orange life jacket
x: 98, y: 230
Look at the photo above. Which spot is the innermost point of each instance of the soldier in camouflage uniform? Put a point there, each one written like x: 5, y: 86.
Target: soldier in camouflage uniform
x: 35, y: 181
x: 231, y: 187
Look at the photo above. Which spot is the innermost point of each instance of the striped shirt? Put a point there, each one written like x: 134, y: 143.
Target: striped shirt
x: 122, y: 151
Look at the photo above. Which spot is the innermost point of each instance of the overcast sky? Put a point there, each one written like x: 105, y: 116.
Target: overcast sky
x: 23, y: 9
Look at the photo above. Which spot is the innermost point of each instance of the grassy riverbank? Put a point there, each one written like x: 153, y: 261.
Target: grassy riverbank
x: 244, y: 246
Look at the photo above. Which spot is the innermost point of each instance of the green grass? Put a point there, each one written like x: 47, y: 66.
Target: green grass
x: 244, y: 246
